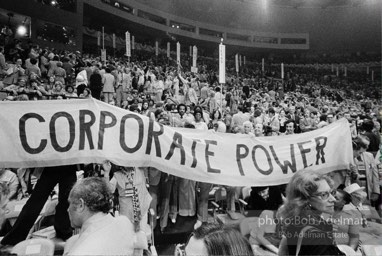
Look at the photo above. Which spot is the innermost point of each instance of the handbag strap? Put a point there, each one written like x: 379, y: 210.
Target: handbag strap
x: 300, y: 237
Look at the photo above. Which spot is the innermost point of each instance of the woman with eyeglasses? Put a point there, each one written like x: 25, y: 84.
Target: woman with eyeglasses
x: 308, y: 196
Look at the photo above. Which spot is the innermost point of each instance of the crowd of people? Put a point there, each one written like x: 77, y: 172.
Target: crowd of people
x: 251, y: 102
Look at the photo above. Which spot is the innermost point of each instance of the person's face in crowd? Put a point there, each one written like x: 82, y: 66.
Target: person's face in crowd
x: 358, y: 197
x: 22, y: 83
x: 330, y: 119
x: 258, y: 130
x: 188, y: 110
x: 282, y: 113
x: 340, y: 202
x: 51, y: 79
x: 307, y: 113
x: 19, y: 62
x: 145, y: 106
x: 198, y: 117
x: 323, y: 200
x: 264, y: 193
x: 182, y: 110
x: 70, y: 89
x: 74, y: 210
x: 196, y: 247
x: 292, y: 110
x: 252, y: 109
x: 86, y: 94
x: 290, y: 128
x: 357, y: 153
x: 216, y: 115
x: 247, y: 128
x: 347, y: 116
x: 338, y: 177
x: 58, y: 87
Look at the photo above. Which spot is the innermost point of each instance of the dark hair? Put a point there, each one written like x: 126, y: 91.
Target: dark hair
x: 95, y: 193
x: 367, y: 125
x: 213, y: 114
x: 359, y: 142
x: 290, y: 121
x: 180, y: 105
x: 222, y: 240
x: 189, y: 125
x: 33, y: 61
x: 347, y: 196
x: 323, y: 117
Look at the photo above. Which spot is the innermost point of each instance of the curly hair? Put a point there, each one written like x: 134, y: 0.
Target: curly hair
x: 300, y: 189
x: 95, y: 193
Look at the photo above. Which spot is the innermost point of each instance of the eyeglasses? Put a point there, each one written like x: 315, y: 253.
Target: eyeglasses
x: 325, y: 195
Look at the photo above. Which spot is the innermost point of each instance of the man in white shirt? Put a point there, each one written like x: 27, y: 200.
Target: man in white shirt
x: 90, y: 201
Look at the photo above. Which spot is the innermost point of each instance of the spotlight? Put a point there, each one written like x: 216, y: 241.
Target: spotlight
x: 53, y: 2
x: 21, y: 30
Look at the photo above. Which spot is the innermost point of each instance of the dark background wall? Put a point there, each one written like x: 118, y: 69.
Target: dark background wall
x: 333, y: 29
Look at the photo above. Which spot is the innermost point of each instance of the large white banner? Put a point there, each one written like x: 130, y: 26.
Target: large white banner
x: 50, y: 133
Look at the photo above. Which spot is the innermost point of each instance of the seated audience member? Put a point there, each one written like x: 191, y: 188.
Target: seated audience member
x: 90, y: 201
x: 347, y: 224
x: 10, y: 179
x: 267, y: 233
x: 215, y: 239
x: 264, y: 198
x: 69, y: 92
x: 358, y: 197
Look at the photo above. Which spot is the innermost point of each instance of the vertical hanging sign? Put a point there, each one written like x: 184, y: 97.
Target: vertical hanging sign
x: 168, y: 49
x: 262, y: 65
x: 282, y: 70
x: 98, y: 38
x: 132, y: 42
x: 221, y: 63
x: 237, y: 62
x: 156, y: 48
x: 128, y: 44
x: 178, y: 54
x: 103, y: 54
x: 194, y: 55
